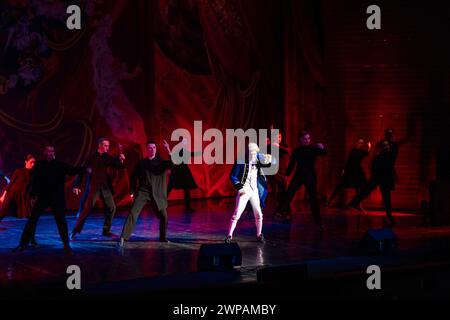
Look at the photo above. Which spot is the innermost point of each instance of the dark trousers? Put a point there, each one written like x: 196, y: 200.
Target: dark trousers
x: 187, y: 196
x: 140, y: 201
x: 341, y: 186
x: 311, y: 187
x: 385, y: 193
x: 278, y: 187
x: 108, y: 204
x: 58, y: 212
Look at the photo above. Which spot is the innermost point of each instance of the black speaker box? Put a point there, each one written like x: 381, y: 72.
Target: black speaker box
x: 219, y: 256
x: 379, y: 241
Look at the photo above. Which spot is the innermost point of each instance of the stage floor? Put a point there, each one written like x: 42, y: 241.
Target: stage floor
x: 335, y: 250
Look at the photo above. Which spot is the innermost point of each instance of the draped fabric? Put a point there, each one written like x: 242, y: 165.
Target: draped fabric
x: 70, y: 87
x: 236, y: 85
x: 140, y: 69
x: 243, y: 41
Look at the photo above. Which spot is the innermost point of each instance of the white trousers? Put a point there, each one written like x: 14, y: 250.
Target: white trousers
x: 241, y: 203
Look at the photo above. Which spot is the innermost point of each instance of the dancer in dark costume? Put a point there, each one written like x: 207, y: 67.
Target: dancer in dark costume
x: 48, y: 189
x: 394, y: 146
x: 181, y: 178
x: 16, y: 195
x: 100, y: 186
x: 305, y: 158
x: 148, y: 186
x: 353, y: 175
x: 382, y: 176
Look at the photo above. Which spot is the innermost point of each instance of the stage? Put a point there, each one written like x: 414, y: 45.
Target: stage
x: 147, y: 266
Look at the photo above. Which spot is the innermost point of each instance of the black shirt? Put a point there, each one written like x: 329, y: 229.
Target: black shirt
x: 146, y: 170
x: 99, y: 164
x: 305, y: 157
x: 355, y: 158
x: 48, y: 179
x: 383, y: 169
x: 149, y: 177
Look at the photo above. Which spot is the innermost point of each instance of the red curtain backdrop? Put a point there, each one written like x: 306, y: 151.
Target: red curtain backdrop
x: 140, y: 69
x: 129, y: 75
x: 304, y: 80
x: 386, y: 79
x: 227, y: 75
x: 70, y: 87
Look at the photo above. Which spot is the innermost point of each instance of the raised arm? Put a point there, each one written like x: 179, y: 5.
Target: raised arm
x: 265, y: 160
x: 168, y: 164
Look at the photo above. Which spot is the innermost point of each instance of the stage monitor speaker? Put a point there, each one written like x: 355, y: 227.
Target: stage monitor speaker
x: 283, y: 274
x: 379, y: 241
x: 219, y: 256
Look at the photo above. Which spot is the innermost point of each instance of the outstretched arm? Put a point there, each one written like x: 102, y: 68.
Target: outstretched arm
x: 282, y: 147
x: 72, y: 170
x: 320, y: 149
